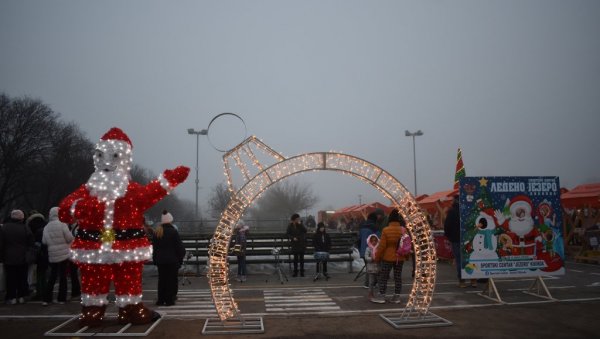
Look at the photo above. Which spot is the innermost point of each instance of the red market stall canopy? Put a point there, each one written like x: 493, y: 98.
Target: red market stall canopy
x: 421, y: 197
x: 587, y: 195
x: 429, y: 203
x: 361, y: 210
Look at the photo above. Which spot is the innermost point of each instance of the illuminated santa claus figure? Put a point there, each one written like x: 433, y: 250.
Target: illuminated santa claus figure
x: 111, y: 244
x: 525, y: 239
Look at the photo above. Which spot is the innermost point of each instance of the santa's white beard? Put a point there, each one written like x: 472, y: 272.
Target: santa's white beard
x: 108, y: 186
x: 521, y: 226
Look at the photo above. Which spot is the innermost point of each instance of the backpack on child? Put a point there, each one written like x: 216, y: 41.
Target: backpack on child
x: 404, y: 246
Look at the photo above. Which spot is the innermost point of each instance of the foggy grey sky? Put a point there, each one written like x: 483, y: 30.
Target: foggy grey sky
x: 515, y: 84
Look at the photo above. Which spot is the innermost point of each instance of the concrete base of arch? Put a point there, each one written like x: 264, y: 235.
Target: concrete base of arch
x: 71, y: 328
x: 414, y: 320
x: 244, y: 325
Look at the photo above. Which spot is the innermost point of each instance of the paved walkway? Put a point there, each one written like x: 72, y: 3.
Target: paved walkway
x: 338, y: 307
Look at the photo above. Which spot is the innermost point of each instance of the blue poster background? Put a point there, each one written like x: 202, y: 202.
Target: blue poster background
x: 510, y: 226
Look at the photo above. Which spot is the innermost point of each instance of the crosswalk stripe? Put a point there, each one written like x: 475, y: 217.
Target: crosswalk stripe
x: 285, y: 300
x: 190, y: 304
x: 311, y: 308
x: 307, y: 304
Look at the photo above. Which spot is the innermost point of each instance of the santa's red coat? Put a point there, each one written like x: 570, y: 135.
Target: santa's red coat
x: 128, y: 214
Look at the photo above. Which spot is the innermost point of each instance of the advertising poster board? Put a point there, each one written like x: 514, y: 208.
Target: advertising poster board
x: 510, y: 227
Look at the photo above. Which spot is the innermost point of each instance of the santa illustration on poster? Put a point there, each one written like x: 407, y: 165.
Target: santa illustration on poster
x: 509, y: 227
x: 111, y: 244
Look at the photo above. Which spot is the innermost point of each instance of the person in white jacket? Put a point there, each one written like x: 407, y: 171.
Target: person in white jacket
x: 58, y: 238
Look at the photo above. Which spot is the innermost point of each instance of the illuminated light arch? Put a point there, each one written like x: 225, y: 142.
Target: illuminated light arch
x: 266, y: 175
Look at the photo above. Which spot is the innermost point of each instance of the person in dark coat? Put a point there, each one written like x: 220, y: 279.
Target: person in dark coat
x: 322, y: 243
x: 240, y: 238
x: 296, y: 232
x: 452, y: 232
x: 367, y: 228
x: 168, y: 254
x: 36, y: 223
x: 74, y: 269
x: 15, y: 239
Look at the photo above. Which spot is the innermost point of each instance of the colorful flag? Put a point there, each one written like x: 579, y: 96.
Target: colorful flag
x: 460, y: 169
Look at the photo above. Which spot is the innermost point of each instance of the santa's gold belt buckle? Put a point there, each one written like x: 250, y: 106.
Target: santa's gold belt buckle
x: 108, y: 236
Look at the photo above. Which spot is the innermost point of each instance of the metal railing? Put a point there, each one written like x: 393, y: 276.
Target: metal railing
x: 208, y: 225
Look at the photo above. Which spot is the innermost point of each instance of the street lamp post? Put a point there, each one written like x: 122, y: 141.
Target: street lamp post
x: 198, y: 134
x: 413, y: 135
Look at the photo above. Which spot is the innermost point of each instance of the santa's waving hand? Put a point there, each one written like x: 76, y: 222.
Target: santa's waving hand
x: 111, y: 244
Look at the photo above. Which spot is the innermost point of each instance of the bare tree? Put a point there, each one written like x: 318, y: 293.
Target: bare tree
x: 25, y: 138
x: 218, y: 200
x: 141, y: 175
x: 180, y: 209
x: 284, y: 199
x: 66, y: 164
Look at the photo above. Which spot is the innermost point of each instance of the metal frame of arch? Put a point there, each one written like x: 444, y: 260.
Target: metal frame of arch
x: 246, y: 160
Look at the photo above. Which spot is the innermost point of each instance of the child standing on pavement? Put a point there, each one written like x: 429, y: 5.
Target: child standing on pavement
x: 372, y: 264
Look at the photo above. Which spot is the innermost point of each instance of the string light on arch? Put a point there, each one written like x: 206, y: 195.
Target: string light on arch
x: 256, y: 177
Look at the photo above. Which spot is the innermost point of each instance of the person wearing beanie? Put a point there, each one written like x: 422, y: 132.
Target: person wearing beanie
x: 239, y: 248
x: 167, y: 218
x: 58, y: 238
x: 15, y: 239
x: 296, y: 232
x: 36, y: 223
x: 17, y: 215
x: 168, y: 257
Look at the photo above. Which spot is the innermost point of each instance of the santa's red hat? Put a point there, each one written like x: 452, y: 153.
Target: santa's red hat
x: 116, y: 133
x: 521, y: 201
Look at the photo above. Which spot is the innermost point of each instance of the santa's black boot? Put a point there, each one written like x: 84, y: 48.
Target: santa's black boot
x: 136, y: 314
x: 92, y: 316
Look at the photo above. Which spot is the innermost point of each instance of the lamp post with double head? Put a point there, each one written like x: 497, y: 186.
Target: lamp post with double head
x: 198, y: 134
x: 413, y: 135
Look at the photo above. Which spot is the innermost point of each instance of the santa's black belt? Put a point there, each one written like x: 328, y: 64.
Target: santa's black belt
x: 110, y: 235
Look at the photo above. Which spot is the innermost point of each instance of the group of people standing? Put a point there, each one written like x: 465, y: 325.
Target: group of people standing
x: 36, y: 252
x: 380, y: 255
x: 28, y: 248
x: 296, y: 233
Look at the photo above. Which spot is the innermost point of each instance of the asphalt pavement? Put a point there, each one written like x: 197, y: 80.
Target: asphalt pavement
x: 338, y: 307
